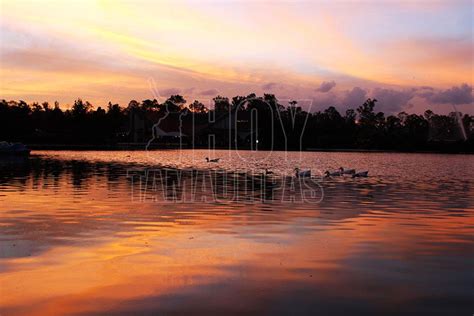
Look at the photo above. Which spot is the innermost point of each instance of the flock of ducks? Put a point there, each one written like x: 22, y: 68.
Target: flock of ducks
x: 338, y: 173
x: 351, y: 172
x: 307, y: 173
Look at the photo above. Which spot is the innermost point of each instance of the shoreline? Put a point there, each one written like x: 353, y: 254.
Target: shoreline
x: 142, y: 146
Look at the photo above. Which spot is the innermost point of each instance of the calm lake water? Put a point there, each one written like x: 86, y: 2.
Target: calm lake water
x: 165, y: 233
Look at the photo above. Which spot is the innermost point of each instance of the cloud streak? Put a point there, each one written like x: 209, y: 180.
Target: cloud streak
x: 170, y: 91
x: 326, y: 86
x: 456, y: 95
x: 69, y: 54
x: 392, y: 100
x: 269, y: 86
x: 209, y: 92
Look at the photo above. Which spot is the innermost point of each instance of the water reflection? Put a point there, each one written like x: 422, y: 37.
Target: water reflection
x: 75, y: 239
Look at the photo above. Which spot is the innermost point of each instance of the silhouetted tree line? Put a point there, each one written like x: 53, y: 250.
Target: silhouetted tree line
x: 277, y: 126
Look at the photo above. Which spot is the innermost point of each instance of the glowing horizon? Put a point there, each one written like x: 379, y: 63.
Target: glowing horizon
x: 409, y: 56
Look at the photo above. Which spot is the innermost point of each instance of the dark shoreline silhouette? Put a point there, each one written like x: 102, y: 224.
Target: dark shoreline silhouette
x: 142, y: 146
x: 245, y: 122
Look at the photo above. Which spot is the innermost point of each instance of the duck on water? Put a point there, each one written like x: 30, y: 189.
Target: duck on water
x: 302, y: 174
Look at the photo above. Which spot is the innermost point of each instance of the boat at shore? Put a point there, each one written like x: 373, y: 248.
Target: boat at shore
x: 13, y: 149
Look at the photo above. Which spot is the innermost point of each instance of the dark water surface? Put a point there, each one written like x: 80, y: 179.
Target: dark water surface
x: 114, y: 233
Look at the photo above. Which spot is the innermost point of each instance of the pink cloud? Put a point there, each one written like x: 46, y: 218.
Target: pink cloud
x: 326, y: 86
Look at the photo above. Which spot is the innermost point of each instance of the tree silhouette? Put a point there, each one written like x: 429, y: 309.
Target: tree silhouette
x: 175, y: 103
x: 221, y: 104
x: 276, y: 126
x: 198, y: 107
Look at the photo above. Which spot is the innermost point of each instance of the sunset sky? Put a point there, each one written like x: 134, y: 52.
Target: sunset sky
x: 409, y: 55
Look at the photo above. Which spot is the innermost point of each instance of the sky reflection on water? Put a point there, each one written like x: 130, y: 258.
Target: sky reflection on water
x: 72, y: 241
